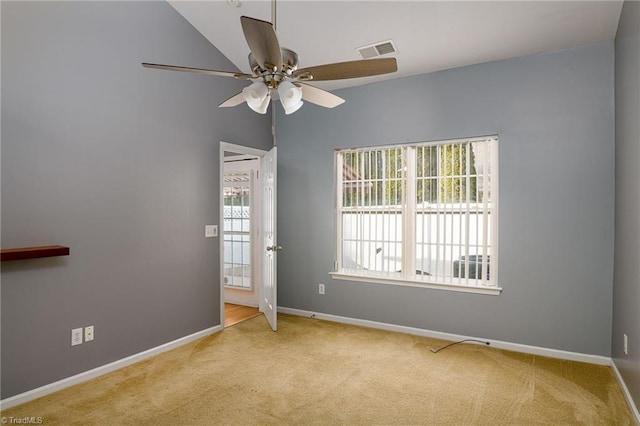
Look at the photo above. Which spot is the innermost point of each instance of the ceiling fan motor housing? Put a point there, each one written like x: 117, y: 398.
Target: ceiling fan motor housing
x: 290, y: 62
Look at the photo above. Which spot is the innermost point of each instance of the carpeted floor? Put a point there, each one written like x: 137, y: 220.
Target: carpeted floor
x: 318, y: 372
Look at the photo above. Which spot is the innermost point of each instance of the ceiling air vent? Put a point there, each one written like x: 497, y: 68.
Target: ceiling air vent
x: 378, y: 49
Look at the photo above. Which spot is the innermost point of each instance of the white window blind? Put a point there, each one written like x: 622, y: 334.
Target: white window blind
x: 423, y: 213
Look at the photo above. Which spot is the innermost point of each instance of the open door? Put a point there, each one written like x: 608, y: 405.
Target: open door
x: 266, y: 247
x: 268, y: 302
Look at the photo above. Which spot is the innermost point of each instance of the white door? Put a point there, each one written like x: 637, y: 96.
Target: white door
x: 268, y: 302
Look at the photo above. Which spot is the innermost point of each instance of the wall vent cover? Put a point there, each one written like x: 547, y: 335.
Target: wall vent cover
x: 378, y: 49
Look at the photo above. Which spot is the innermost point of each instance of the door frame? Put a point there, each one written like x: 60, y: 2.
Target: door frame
x: 243, y: 150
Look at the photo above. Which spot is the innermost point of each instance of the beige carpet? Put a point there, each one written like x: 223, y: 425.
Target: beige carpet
x: 318, y: 372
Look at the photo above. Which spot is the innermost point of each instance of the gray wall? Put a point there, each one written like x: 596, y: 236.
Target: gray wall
x: 554, y: 114
x: 118, y: 162
x: 626, y: 284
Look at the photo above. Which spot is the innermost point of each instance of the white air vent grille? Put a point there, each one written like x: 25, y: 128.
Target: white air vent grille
x: 378, y: 49
x: 368, y: 52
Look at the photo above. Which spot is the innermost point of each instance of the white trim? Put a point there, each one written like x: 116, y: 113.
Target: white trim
x: 423, y: 143
x: 415, y: 283
x: 625, y: 390
x: 104, y: 369
x: 238, y: 158
x: 241, y: 149
x: 516, y: 347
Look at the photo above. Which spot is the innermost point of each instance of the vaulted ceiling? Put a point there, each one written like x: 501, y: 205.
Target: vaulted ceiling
x: 429, y: 35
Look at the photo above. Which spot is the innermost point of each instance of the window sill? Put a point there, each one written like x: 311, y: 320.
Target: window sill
x: 383, y: 279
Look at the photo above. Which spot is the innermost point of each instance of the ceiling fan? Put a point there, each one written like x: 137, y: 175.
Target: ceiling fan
x: 275, y: 72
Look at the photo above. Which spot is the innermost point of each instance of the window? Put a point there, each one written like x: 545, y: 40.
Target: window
x: 237, y: 229
x: 421, y: 214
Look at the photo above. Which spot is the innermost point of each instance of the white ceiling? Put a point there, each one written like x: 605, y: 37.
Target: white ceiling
x: 429, y: 35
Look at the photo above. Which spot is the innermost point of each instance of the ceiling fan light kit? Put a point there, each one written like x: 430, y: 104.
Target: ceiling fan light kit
x: 290, y: 97
x: 257, y: 97
x: 275, y: 68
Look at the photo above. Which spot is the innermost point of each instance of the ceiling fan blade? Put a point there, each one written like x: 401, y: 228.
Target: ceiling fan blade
x: 233, y: 101
x: 263, y: 42
x: 351, y: 69
x: 319, y: 96
x: 238, y: 75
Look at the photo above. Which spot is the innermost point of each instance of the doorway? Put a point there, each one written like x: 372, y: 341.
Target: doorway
x: 240, y: 232
x: 247, y: 244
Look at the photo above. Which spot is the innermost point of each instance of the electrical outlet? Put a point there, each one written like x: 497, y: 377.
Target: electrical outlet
x: 76, y: 336
x: 626, y: 345
x: 88, y: 333
x: 321, y: 288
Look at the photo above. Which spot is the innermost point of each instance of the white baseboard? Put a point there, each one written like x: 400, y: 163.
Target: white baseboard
x: 517, y: 347
x: 241, y: 303
x: 626, y: 392
x: 99, y: 371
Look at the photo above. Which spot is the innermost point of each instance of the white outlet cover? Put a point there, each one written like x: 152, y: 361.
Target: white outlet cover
x: 76, y: 336
x: 88, y: 333
x: 210, y: 231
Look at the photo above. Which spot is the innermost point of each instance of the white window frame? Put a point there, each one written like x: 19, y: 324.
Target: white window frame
x: 407, y: 276
x: 249, y: 167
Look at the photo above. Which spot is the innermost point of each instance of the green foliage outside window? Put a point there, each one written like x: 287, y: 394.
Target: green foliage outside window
x: 373, y: 178
x: 445, y: 174
x: 457, y: 182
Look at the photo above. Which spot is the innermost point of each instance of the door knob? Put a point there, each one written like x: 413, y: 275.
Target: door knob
x: 274, y: 248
